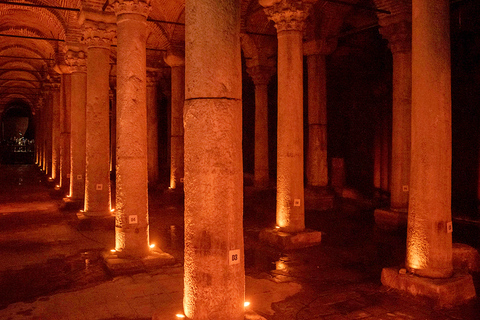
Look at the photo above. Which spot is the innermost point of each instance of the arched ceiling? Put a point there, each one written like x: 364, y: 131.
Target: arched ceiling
x: 35, y: 35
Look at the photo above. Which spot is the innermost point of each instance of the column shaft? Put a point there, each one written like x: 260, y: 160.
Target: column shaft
x: 56, y: 105
x: 176, y: 135
x: 429, y: 237
x: 261, y: 174
x: 65, y: 117
x: 131, y: 223
x: 317, y: 165
x: 214, y: 261
x: 152, y: 127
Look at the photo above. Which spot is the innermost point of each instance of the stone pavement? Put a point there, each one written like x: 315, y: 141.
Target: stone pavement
x: 50, y: 266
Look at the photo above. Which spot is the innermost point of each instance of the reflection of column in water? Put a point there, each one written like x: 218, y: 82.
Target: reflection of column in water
x: 174, y: 235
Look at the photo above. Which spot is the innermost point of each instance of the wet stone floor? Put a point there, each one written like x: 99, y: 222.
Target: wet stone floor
x: 51, y: 265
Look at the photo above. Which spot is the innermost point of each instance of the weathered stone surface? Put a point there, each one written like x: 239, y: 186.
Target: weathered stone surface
x: 445, y: 292
x: 121, y: 266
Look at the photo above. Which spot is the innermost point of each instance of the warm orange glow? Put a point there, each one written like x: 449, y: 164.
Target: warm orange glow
x: 246, y: 303
x: 178, y: 315
x: 113, y: 250
x: 152, y: 245
x: 280, y: 265
x: 277, y: 227
x: 112, y: 210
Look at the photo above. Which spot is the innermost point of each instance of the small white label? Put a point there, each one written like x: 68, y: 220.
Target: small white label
x: 79, y: 177
x: 99, y: 186
x: 133, y: 219
x: 181, y: 180
x: 449, y: 227
x: 68, y: 175
x: 234, y: 257
x: 405, y: 188
x: 296, y: 203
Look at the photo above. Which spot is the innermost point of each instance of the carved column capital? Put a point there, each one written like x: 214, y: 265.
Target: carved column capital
x: 77, y: 60
x: 399, y: 36
x: 175, y: 58
x: 141, y: 7
x: 99, y: 29
x: 288, y: 15
x: 261, y: 75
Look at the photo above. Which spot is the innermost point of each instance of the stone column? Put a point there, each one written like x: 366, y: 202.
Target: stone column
x: 317, y: 161
x: 56, y: 102
x: 98, y: 33
x: 385, y: 154
x: 214, y: 261
x: 398, y: 34
x: 261, y: 77
x: 175, y: 59
x: 429, y: 233
x: 377, y: 154
x: 47, y: 163
x: 65, y: 121
x: 77, y: 62
x: 289, y: 17
x: 152, y: 128
x: 131, y: 222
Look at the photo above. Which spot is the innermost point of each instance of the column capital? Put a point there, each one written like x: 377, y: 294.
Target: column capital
x: 261, y: 74
x: 399, y: 35
x: 99, y: 28
x: 288, y: 15
x: 175, y: 57
x: 141, y: 7
x: 321, y: 46
x: 77, y: 60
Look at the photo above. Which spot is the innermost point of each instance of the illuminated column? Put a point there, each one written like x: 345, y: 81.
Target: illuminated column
x: 131, y: 222
x: 400, y: 43
x: 98, y: 36
x: 289, y: 17
x: 176, y: 61
x: 261, y: 77
x: 47, y: 164
x: 429, y: 237
x: 65, y: 115
x: 385, y: 154
x: 152, y: 128
x: 214, y: 262
x: 56, y: 102
x: 317, y: 162
x: 77, y: 62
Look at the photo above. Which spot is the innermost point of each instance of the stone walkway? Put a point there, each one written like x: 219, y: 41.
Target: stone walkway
x: 50, y: 266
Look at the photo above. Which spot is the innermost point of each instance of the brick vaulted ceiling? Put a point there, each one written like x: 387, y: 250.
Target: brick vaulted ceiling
x: 35, y: 38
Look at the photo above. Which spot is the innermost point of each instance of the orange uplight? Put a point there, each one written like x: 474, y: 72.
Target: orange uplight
x: 152, y: 245
x: 246, y: 303
x: 179, y: 315
x: 113, y: 250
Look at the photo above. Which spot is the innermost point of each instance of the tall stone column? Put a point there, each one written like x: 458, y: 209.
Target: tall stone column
x: 175, y: 59
x: 385, y: 154
x: 429, y: 233
x: 47, y: 163
x: 289, y: 17
x: 56, y: 104
x: 398, y: 34
x: 65, y: 121
x: 131, y: 222
x: 152, y: 129
x: 261, y: 76
x: 214, y: 260
x: 98, y: 33
x: 77, y: 62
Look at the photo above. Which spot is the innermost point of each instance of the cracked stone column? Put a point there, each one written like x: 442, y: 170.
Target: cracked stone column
x: 398, y: 34
x: 214, y: 261
x: 317, y: 161
x: 175, y: 59
x: 152, y: 128
x: 289, y: 17
x: 77, y: 62
x: 99, y: 29
x: 429, y: 237
x: 131, y: 223
x: 261, y: 76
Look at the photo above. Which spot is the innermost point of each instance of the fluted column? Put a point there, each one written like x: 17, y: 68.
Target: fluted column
x: 429, y: 237
x: 131, y: 222
x: 289, y: 17
x: 152, y: 128
x: 261, y: 76
x: 398, y: 34
x: 77, y: 62
x: 98, y: 33
x: 214, y: 261
x: 175, y: 59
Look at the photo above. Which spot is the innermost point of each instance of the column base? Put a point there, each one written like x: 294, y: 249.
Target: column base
x: 389, y: 219
x: 465, y: 258
x: 72, y: 204
x: 249, y: 315
x: 318, y: 198
x: 95, y: 221
x: 121, y: 266
x: 287, y: 241
x: 444, y: 292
